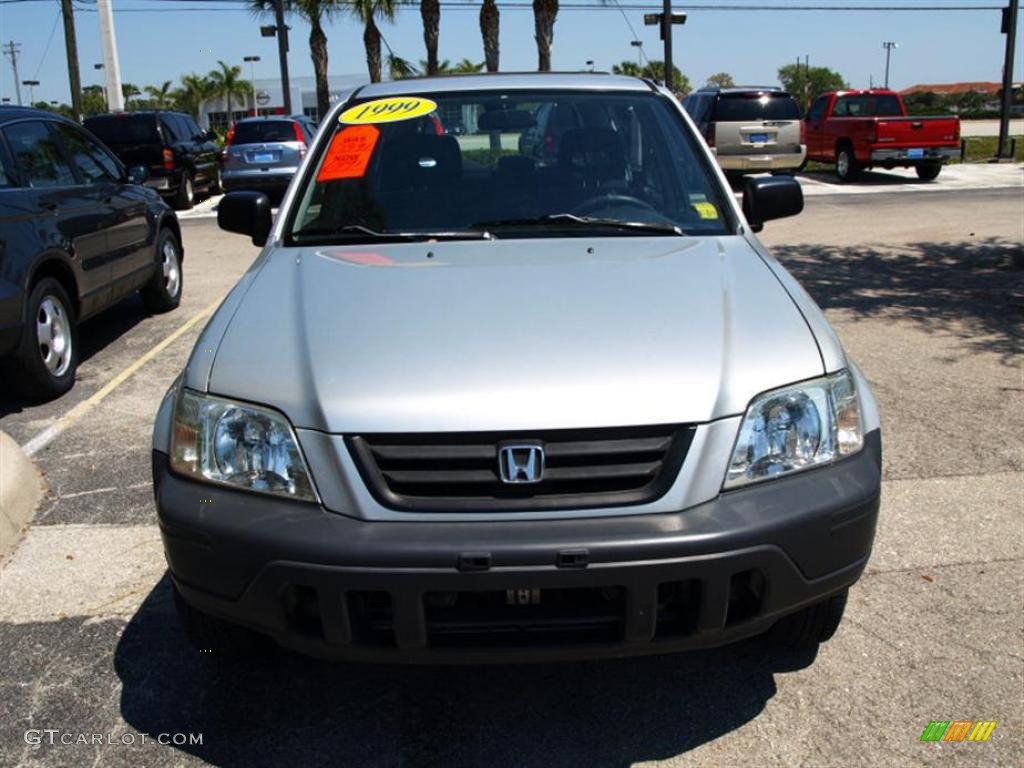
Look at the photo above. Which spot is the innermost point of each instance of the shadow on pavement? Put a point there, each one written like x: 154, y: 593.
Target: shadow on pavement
x: 288, y: 710
x: 973, y: 290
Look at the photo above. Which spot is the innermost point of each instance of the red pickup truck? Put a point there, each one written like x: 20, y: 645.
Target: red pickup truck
x: 864, y: 129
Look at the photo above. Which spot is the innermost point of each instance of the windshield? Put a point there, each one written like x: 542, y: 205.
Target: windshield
x: 739, y: 107
x: 124, y: 129
x: 260, y: 132
x: 521, y: 164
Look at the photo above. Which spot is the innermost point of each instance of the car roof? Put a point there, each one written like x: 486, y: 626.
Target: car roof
x: 140, y: 113
x: 10, y: 113
x: 743, y: 89
x: 505, y: 81
x: 265, y: 118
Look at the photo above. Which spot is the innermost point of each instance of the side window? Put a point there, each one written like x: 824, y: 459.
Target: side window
x: 6, y: 171
x: 37, y: 156
x: 171, y: 133
x: 191, y: 129
x: 94, y: 165
x: 842, y: 108
x: 817, y: 110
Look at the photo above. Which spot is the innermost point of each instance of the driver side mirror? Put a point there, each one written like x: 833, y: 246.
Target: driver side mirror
x: 770, y: 197
x: 246, y: 213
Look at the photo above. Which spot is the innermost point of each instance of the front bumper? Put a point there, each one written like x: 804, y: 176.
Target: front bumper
x: 333, y: 586
x: 912, y: 155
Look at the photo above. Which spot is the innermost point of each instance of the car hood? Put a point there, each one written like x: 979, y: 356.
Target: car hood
x: 512, y: 334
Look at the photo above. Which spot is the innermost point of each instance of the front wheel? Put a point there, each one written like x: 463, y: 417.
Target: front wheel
x: 44, y: 364
x: 809, y: 626
x: 847, y: 167
x: 928, y: 171
x: 163, y: 291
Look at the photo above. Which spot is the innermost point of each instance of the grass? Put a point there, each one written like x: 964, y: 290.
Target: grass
x: 981, y: 149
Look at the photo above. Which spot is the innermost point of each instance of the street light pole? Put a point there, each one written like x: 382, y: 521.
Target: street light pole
x: 1010, y: 29
x: 251, y: 60
x: 639, y: 45
x: 665, y: 20
x: 282, y: 52
x: 31, y: 90
x: 889, y: 46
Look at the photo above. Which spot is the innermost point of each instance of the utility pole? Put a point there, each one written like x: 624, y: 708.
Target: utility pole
x: 665, y: 20
x: 11, y: 51
x: 889, y: 46
x: 115, y: 98
x: 71, y: 47
x: 282, y: 52
x: 1010, y: 30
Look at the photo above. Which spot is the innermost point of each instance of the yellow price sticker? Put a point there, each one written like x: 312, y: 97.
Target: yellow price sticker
x: 389, y: 110
x: 706, y: 210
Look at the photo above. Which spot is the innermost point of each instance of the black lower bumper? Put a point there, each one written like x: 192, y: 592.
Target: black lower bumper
x: 330, y: 585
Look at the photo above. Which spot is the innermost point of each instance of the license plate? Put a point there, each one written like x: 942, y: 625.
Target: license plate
x: 266, y: 157
x: 913, y: 154
x: 759, y: 138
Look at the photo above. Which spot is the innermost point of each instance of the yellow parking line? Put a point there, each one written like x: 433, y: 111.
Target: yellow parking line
x: 47, y: 436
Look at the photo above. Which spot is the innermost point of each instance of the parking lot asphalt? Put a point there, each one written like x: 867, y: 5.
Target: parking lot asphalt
x: 927, y: 293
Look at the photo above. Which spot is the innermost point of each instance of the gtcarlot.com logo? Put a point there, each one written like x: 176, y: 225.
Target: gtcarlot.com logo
x: 958, y: 730
x: 37, y: 737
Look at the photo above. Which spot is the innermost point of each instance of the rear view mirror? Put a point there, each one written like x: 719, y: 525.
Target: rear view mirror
x: 770, y: 197
x: 137, y: 174
x: 246, y: 213
x: 506, y: 120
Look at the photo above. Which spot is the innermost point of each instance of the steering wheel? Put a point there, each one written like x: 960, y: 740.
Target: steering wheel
x: 608, y: 200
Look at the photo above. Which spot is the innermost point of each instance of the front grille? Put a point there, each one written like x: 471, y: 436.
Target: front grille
x: 583, y: 468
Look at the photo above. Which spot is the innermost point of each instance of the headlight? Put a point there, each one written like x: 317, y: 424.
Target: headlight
x: 798, y: 427
x: 237, y: 444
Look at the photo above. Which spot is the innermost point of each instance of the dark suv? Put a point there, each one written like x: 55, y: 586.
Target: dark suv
x: 77, y: 234
x: 181, y: 157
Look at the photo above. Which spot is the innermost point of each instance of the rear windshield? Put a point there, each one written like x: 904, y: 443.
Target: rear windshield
x: 525, y: 164
x: 867, y: 106
x: 736, y: 107
x: 264, y: 131
x: 113, y: 130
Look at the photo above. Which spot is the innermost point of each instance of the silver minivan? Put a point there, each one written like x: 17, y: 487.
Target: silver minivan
x: 263, y: 153
x: 471, y: 405
x: 750, y: 129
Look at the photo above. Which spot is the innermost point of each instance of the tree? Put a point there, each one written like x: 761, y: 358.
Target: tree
x: 430, y: 12
x: 227, y: 83
x: 721, y: 79
x: 368, y: 11
x: 314, y: 13
x: 161, y: 96
x: 467, y: 67
x: 442, y: 67
x: 805, y: 85
x: 544, y: 15
x: 94, y: 100
x: 654, y: 70
x: 129, y: 90
x: 194, y: 90
x: 490, y: 21
x: 400, y: 69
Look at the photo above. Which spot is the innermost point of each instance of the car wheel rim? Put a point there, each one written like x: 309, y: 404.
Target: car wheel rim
x: 842, y: 164
x: 188, y: 189
x: 53, y: 335
x: 171, y: 268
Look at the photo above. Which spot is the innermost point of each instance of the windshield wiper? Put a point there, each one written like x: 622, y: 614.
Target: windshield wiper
x: 475, y: 233
x: 663, y: 228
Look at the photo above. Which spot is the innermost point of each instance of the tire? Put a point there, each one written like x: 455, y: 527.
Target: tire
x: 185, y: 197
x: 928, y: 171
x: 810, y: 626
x: 217, y: 184
x: 163, y: 291
x: 210, y: 635
x: 847, y: 167
x: 43, y: 365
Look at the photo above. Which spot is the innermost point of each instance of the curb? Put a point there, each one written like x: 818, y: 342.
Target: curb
x: 21, y: 488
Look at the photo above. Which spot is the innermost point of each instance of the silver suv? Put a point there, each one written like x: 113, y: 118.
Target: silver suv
x: 750, y: 129
x: 481, y: 405
x: 263, y: 153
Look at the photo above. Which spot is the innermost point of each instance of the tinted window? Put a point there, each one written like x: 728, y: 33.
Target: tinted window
x: 191, y: 129
x: 6, y: 171
x: 115, y: 130
x: 818, y: 108
x: 867, y: 106
x: 37, y: 155
x: 403, y: 176
x: 94, y: 165
x: 263, y: 131
x: 172, y: 127
x: 737, y: 107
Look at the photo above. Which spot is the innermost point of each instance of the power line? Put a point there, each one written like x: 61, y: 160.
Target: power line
x: 707, y: 8
x: 46, y: 50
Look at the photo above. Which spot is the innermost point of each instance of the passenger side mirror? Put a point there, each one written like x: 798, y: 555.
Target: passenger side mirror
x: 137, y: 174
x: 770, y: 197
x: 246, y: 213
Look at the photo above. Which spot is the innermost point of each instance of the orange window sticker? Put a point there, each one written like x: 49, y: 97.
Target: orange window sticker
x: 349, y: 153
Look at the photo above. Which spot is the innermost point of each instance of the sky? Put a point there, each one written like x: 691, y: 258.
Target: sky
x: 171, y: 38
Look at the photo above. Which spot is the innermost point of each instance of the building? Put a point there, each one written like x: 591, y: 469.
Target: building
x: 269, y: 99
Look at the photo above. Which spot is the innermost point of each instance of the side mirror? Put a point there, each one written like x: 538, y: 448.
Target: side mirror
x: 246, y: 213
x: 137, y: 174
x: 770, y: 197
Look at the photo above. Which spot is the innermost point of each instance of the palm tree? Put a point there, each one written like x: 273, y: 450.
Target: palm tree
x: 194, y: 90
x: 490, y: 21
x: 544, y: 13
x: 443, y: 67
x: 368, y: 11
x: 129, y: 90
x: 161, y: 96
x: 430, y: 12
x: 227, y: 83
x: 399, y: 68
x: 315, y: 13
x: 467, y: 67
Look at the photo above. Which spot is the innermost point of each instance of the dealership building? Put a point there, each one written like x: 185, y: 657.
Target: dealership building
x: 269, y: 99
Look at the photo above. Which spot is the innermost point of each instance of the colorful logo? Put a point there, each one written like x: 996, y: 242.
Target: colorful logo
x: 958, y: 730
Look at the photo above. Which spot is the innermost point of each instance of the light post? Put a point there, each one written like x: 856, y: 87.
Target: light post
x: 590, y: 65
x: 106, y: 99
x: 251, y: 61
x: 889, y: 46
x: 639, y: 45
x: 31, y: 89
